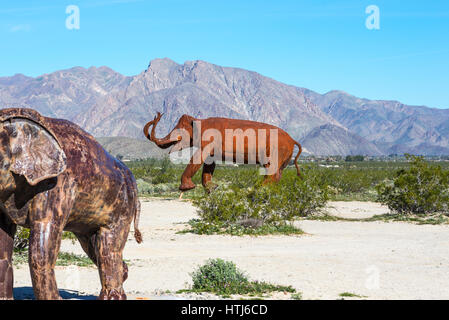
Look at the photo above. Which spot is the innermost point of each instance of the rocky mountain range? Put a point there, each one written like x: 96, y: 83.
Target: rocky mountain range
x: 108, y: 104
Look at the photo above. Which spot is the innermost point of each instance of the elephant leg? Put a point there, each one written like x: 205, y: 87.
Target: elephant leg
x: 281, y: 169
x: 275, y: 177
x: 269, y: 178
x: 7, y: 231
x: 272, y: 178
x: 113, y: 271
x: 208, y: 171
x: 189, y: 172
x: 45, y: 240
x: 88, y: 245
x: 47, y: 214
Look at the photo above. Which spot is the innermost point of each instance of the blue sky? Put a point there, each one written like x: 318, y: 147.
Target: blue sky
x: 320, y: 45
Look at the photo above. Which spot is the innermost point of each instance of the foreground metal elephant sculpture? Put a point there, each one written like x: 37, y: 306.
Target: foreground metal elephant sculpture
x: 245, y: 143
x: 53, y: 177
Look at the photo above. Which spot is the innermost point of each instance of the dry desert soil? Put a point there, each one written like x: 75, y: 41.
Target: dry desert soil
x: 374, y: 260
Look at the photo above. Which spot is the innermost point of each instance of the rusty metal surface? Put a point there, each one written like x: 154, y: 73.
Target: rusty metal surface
x: 285, y: 146
x: 53, y: 177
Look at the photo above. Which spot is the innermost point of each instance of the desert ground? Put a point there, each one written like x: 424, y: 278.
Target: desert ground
x: 374, y: 260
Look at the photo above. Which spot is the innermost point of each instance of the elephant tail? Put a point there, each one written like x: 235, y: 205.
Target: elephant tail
x: 137, y: 233
x: 296, y: 159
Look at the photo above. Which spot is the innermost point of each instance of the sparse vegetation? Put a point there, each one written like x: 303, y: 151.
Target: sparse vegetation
x: 296, y: 296
x: 433, y: 219
x: 346, y: 181
x: 224, y: 278
x: 241, y: 197
x: 350, y: 295
x: 201, y: 227
x: 64, y: 259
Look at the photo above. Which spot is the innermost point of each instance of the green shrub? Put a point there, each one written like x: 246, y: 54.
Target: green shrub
x: 146, y: 188
x: 224, y: 278
x: 420, y: 189
x: 347, y: 180
x: 272, y: 203
x: 354, y: 158
x: 246, y: 206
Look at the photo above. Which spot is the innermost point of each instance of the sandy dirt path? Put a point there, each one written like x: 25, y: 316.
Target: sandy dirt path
x: 376, y: 260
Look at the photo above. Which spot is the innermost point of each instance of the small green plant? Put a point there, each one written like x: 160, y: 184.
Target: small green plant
x: 350, y: 295
x: 71, y: 259
x: 64, y: 259
x: 67, y: 235
x: 420, y: 189
x: 296, y: 296
x: 224, y: 278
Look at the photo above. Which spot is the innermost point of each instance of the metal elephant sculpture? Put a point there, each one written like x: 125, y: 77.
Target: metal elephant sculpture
x: 239, y: 141
x: 54, y: 177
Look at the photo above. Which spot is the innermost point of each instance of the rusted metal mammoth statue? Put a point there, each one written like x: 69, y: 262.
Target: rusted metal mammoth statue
x: 223, y: 139
x: 55, y: 177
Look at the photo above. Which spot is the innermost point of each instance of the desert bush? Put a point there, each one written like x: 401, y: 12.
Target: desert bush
x: 352, y: 180
x: 234, y: 205
x: 146, y: 188
x: 354, y: 158
x: 420, y: 189
x: 224, y: 278
x: 348, y: 182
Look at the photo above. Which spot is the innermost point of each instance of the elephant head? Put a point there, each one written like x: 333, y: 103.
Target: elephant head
x: 28, y: 150
x: 181, y: 133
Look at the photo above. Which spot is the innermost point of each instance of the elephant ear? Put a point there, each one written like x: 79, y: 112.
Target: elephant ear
x: 35, y: 152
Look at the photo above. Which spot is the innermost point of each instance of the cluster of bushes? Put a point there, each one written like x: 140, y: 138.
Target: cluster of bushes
x: 420, y: 189
x: 346, y: 181
x: 354, y: 158
x: 241, y: 204
x: 246, y: 205
x: 353, y: 183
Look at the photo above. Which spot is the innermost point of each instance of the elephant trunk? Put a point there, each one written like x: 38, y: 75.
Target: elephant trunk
x: 163, y: 143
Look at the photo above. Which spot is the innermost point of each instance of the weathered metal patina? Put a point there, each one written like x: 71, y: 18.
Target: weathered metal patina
x: 54, y: 177
x: 249, y: 148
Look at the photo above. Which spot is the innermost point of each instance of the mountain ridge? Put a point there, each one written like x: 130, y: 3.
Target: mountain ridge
x: 107, y: 103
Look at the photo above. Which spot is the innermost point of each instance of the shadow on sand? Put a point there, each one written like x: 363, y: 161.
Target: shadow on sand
x: 26, y: 293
